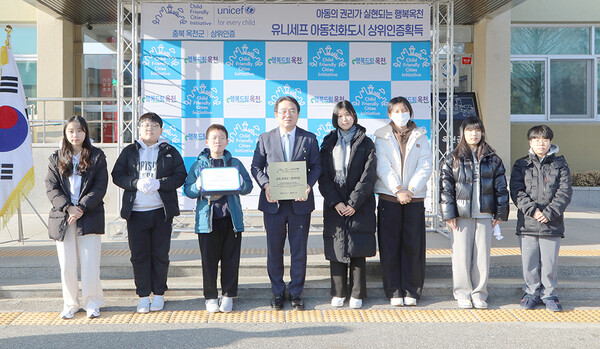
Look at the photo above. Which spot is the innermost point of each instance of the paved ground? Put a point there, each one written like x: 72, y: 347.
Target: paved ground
x: 29, y: 322
x: 434, y: 323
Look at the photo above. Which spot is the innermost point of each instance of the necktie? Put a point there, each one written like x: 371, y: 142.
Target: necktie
x: 286, y: 147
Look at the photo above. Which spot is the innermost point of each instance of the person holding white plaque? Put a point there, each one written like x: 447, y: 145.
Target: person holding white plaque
x: 219, y: 217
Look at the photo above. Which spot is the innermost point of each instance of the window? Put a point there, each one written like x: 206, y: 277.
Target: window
x: 597, y: 45
x: 569, y: 88
x: 549, y: 41
x: 554, y: 73
x: 527, y: 80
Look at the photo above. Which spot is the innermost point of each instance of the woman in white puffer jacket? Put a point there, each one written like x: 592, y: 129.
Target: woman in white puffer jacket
x: 404, y: 165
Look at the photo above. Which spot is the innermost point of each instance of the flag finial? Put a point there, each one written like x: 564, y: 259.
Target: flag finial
x: 4, y: 49
x: 8, y: 29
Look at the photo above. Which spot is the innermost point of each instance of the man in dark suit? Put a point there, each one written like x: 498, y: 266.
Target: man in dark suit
x: 286, y: 217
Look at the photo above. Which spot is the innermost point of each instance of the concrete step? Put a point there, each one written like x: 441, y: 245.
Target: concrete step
x: 259, y: 287
x: 120, y: 267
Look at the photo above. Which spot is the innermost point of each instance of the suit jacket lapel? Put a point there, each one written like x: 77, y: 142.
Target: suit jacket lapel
x: 297, y: 144
x: 278, y: 146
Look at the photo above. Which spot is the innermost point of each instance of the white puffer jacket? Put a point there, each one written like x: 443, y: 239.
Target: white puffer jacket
x: 418, y: 162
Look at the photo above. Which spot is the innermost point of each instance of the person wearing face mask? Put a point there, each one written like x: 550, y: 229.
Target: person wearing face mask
x: 404, y: 165
x: 348, y: 163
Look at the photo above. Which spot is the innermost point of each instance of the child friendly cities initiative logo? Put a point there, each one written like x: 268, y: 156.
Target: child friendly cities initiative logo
x: 412, y: 61
x: 370, y: 100
x: 244, y: 135
x: 328, y: 62
x: 201, y: 100
x: 161, y: 56
x: 246, y: 62
x: 286, y: 90
x: 169, y: 10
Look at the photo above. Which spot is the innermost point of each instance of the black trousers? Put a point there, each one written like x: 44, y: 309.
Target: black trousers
x: 295, y: 226
x: 149, y: 242
x: 401, y: 235
x: 221, y: 245
x: 358, y: 278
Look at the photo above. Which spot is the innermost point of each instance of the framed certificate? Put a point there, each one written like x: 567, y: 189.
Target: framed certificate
x: 220, y: 181
x: 287, y: 180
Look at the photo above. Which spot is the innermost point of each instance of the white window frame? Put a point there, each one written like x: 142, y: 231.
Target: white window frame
x: 593, y: 85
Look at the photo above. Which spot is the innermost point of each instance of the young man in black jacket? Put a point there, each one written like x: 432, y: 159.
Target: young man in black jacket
x: 540, y: 187
x: 150, y: 170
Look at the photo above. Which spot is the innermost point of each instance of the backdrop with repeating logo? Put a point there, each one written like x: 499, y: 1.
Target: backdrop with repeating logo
x: 228, y: 64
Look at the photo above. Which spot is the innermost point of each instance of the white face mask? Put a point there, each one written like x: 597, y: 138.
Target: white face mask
x: 400, y: 119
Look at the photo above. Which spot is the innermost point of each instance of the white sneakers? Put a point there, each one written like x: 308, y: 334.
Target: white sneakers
x: 337, y: 302
x: 143, y: 305
x: 226, y: 304
x: 465, y: 303
x: 158, y: 303
x: 355, y: 303
x: 476, y: 303
x: 93, y: 313
x: 410, y: 301
x: 212, y: 305
x: 67, y: 314
x: 479, y: 304
x: 397, y: 301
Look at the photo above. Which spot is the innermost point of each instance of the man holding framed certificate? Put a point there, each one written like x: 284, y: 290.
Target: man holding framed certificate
x: 286, y: 165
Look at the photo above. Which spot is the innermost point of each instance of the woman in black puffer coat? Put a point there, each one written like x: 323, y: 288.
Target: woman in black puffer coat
x: 76, y: 184
x: 346, y: 183
x: 473, y: 198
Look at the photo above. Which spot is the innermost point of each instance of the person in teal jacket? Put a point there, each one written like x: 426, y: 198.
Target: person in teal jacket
x: 219, y: 221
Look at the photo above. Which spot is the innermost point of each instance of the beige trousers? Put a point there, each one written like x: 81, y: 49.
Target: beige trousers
x: 87, y: 249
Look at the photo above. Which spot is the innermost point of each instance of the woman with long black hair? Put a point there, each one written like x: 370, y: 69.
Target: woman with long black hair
x: 346, y: 183
x: 76, y: 184
x: 473, y: 198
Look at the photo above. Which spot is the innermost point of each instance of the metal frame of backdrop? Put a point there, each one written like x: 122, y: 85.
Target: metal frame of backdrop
x: 442, y: 59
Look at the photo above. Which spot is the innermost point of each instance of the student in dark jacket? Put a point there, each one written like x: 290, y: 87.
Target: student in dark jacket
x: 474, y: 199
x: 219, y: 221
x: 349, y: 168
x: 540, y: 187
x: 76, y: 184
x: 150, y: 170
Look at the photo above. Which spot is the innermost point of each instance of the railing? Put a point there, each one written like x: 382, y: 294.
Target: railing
x: 47, y: 117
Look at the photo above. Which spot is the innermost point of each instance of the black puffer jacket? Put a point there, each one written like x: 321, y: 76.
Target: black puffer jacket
x: 170, y: 172
x: 545, y: 186
x: 93, y: 188
x: 353, y: 236
x: 456, y: 186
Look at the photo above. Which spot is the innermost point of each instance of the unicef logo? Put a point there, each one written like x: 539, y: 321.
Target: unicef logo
x: 250, y: 9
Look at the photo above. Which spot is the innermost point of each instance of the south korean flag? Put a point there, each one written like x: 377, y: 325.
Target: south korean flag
x: 16, y: 160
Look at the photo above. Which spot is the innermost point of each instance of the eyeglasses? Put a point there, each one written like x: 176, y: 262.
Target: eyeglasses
x: 287, y: 111
x: 153, y: 127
